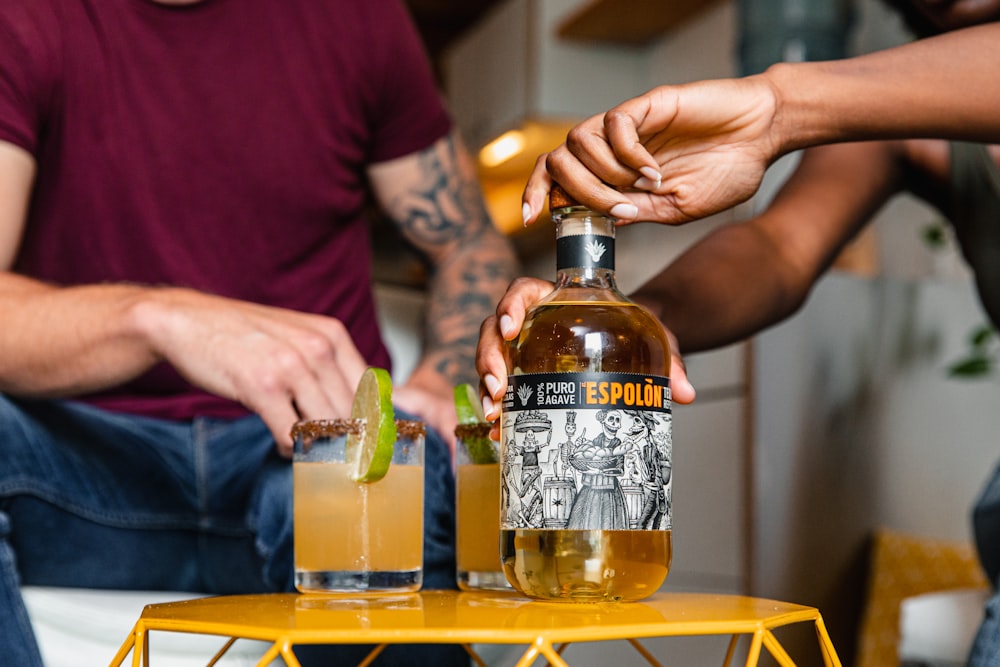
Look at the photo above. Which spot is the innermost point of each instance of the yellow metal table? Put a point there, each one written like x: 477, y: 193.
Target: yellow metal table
x: 544, y: 628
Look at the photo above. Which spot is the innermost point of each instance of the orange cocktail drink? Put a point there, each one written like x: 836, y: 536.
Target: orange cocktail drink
x: 477, y: 507
x: 353, y: 536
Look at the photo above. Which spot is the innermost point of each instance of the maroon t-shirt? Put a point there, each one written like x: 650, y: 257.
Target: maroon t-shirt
x: 220, y: 146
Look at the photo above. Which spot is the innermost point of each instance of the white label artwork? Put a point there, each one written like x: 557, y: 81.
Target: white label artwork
x: 587, y: 451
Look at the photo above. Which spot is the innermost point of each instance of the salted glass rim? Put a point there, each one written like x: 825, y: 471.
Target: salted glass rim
x: 312, y: 429
x: 476, y: 430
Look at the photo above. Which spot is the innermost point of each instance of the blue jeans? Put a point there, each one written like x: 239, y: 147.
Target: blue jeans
x: 986, y: 529
x: 95, y: 499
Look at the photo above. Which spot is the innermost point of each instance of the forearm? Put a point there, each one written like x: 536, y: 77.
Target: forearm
x: 708, y: 308
x: 464, y: 291
x: 435, y: 198
x: 941, y: 87
x: 69, y: 341
x: 747, y: 276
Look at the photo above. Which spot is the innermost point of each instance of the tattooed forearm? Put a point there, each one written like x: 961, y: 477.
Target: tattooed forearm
x: 435, y: 198
x: 463, y: 294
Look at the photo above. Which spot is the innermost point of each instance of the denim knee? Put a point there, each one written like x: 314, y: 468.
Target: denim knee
x: 16, y: 635
x: 985, y: 650
x: 270, y: 519
x: 439, y: 514
x: 986, y: 526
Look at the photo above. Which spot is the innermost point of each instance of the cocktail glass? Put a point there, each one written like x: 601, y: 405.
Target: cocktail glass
x: 354, y: 536
x: 477, y: 501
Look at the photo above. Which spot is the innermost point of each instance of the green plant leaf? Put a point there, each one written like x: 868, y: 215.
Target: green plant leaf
x: 934, y: 235
x: 982, y: 335
x: 971, y: 367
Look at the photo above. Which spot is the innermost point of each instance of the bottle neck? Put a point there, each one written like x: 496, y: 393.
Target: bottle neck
x: 585, y: 248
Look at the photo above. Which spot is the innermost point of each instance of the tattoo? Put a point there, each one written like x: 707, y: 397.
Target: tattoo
x: 447, y: 205
x: 460, y: 298
x: 444, y: 215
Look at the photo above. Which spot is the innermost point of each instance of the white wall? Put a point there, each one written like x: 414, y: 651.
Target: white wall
x: 858, y: 426
x: 401, y: 319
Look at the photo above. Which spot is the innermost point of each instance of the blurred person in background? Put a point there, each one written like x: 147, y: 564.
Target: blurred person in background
x: 185, y: 272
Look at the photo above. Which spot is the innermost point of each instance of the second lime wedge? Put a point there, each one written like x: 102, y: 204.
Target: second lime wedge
x: 467, y: 405
x: 470, y: 414
x: 369, y: 452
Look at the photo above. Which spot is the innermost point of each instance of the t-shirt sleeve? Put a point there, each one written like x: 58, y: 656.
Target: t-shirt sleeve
x: 23, y: 52
x: 410, y: 114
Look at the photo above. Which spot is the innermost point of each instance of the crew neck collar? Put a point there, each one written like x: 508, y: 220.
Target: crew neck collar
x: 154, y: 5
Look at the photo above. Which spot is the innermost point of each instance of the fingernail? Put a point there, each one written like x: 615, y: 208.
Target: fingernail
x: 644, y: 183
x: 525, y: 213
x: 492, y: 383
x: 692, y: 390
x: 507, y: 326
x: 624, y: 212
x: 652, y: 174
x: 488, y: 408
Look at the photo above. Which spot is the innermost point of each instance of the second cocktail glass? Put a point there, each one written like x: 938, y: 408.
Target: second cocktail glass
x: 477, y: 507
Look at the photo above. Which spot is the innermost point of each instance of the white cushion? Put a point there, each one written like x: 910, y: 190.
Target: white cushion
x: 80, y: 627
x: 77, y: 627
x: 938, y: 628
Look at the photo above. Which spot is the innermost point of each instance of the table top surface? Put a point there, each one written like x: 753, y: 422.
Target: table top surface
x: 468, y: 616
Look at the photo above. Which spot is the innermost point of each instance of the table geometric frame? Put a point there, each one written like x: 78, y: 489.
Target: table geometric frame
x: 544, y: 629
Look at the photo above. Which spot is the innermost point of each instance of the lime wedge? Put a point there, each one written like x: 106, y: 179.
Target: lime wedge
x: 369, y: 453
x: 470, y: 414
x: 468, y: 405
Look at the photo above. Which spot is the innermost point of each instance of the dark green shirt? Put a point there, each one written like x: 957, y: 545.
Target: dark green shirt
x: 975, y: 187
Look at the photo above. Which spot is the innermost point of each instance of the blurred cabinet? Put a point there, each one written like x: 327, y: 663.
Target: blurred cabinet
x: 629, y: 21
x: 512, y: 67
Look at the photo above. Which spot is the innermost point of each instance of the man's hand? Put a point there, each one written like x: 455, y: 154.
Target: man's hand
x: 283, y: 365
x: 671, y: 155
x: 505, y: 325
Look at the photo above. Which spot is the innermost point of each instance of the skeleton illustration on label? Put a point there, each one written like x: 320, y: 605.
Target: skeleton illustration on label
x: 588, y: 451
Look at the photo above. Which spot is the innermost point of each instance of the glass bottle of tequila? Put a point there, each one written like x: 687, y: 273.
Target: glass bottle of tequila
x: 586, y: 431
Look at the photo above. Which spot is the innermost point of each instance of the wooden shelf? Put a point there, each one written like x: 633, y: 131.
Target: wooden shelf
x: 633, y: 22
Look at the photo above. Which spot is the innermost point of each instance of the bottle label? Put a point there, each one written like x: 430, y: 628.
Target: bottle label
x: 585, y: 251
x: 586, y: 451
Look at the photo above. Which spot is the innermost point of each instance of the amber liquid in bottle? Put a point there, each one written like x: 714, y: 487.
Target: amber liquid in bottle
x: 586, y: 325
